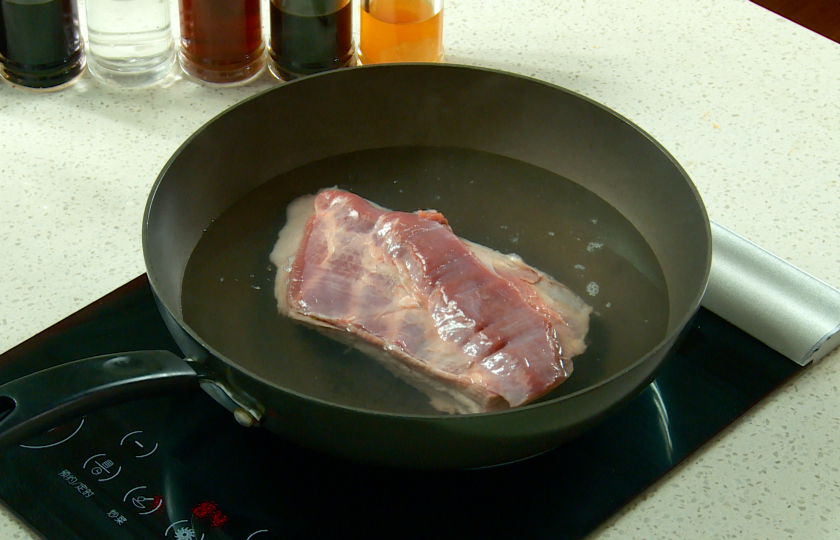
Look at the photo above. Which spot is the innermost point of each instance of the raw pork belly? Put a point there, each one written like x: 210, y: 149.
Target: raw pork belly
x: 474, y: 329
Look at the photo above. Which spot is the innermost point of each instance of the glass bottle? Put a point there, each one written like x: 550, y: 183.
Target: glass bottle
x: 221, y: 40
x: 40, y: 43
x: 400, y: 31
x: 129, y: 41
x: 310, y: 36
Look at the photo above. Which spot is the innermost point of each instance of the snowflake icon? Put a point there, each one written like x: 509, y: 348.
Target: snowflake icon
x: 185, y: 533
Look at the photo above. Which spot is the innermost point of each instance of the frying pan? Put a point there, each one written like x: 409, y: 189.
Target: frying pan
x: 514, y: 163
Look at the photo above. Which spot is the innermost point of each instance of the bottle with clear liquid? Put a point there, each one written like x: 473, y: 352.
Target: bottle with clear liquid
x: 130, y: 41
x: 41, y: 43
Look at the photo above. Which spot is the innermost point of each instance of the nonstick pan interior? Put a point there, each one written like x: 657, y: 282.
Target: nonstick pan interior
x: 513, y: 163
x: 509, y: 205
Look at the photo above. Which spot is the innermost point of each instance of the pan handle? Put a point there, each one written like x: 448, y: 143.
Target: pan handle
x: 45, y: 399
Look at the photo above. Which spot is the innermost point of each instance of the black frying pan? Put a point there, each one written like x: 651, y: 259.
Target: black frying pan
x: 516, y: 164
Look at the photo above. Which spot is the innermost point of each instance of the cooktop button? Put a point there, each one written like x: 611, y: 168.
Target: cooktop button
x: 139, y: 498
x: 181, y: 530
x: 138, y: 445
x: 99, y: 465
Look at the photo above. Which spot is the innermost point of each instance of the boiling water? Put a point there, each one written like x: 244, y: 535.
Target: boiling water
x: 553, y: 223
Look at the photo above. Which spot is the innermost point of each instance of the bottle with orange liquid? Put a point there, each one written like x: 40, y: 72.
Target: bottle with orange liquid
x: 401, y: 31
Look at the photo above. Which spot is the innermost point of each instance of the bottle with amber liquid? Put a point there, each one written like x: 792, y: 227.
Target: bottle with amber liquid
x: 41, y: 43
x: 310, y: 36
x: 221, y: 40
x: 400, y: 31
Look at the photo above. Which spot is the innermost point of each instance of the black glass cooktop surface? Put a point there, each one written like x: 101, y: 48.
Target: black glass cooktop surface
x: 179, y: 466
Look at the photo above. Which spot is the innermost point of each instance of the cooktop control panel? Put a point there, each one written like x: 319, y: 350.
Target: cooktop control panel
x: 126, y: 473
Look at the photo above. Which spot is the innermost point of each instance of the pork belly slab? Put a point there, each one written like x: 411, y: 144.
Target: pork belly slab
x: 475, y: 329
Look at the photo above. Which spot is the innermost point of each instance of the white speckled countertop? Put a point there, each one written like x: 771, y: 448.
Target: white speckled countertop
x: 747, y: 102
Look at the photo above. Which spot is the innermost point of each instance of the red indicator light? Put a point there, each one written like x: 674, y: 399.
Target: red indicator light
x: 209, y: 512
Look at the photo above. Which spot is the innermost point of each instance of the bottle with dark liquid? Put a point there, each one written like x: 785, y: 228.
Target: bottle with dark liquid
x: 40, y: 43
x: 221, y: 40
x: 310, y: 36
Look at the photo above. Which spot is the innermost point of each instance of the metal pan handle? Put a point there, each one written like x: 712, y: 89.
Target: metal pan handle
x: 45, y: 399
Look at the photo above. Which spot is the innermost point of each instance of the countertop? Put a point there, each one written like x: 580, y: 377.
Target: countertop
x: 747, y: 102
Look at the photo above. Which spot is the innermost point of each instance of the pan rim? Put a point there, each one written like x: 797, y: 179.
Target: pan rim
x: 670, y: 336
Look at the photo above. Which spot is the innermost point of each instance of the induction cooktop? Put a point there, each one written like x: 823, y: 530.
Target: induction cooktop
x: 180, y: 467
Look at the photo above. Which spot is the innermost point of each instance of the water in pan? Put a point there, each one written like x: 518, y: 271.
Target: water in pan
x: 553, y: 223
